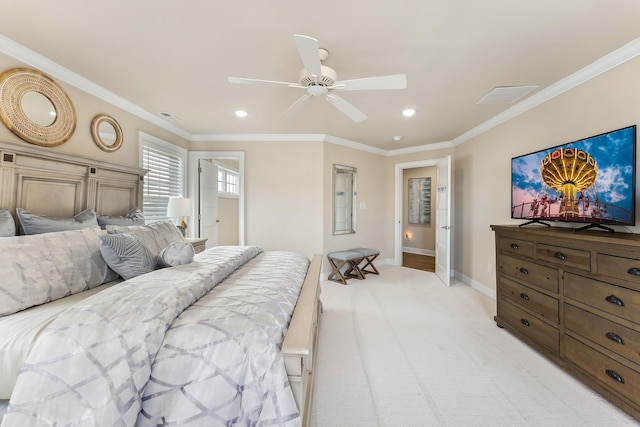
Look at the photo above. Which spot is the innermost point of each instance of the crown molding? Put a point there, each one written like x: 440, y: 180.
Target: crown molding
x: 57, y: 71
x: 618, y: 57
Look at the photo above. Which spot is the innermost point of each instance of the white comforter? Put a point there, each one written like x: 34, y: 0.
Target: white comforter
x: 171, y: 347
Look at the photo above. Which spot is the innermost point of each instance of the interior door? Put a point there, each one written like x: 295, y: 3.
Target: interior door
x: 443, y: 220
x: 208, y: 215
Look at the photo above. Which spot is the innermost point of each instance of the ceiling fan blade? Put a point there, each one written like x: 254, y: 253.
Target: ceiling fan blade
x: 296, y: 106
x: 309, y: 50
x: 395, y: 81
x: 346, y: 108
x: 242, y: 80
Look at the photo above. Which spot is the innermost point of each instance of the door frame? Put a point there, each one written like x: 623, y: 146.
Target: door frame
x: 194, y: 186
x: 399, y: 170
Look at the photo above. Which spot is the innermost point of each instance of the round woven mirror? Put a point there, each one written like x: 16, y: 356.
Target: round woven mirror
x: 36, y: 108
x: 106, y: 132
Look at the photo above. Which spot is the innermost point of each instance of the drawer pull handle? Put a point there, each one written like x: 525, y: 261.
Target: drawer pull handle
x: 524, y: 270
x: 525, y: 322
x: 615, y: 300
x: 560, y: 256
x: 514, y: 246
x: 634, y: 271
x: 524, y: 296
x: 616, y: 376
x: 614, y: 337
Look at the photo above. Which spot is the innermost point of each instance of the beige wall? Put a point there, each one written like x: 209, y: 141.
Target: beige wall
x: 228, y: 214
x: 372, y: 220
x: 482, y: 166
x: 283, y: 197
x: 421, y: 236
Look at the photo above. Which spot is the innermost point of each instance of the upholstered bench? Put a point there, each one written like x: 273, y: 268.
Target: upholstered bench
x: 340, y: 259
x: 368, y: 255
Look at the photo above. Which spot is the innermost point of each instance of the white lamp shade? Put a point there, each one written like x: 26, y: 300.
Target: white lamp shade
x: 178, y: 207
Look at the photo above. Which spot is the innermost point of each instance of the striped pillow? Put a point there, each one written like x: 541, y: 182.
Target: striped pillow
x: 126, y: 255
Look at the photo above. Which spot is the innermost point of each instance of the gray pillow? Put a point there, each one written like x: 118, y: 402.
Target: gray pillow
x: 155, y: 236
x: 7, y: 224
x: 37, y: 224
x: 177, y: 253
x: 126, y: 255
x: 133, y: 217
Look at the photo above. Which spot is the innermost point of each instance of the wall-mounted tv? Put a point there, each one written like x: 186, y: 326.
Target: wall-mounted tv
x: 590, y: 181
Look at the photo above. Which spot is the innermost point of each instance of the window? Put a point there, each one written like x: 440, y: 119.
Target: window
x: 166, y: 178
x: 228, y: 182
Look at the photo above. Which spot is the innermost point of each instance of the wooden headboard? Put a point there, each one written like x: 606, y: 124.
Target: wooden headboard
x: 60, y: 185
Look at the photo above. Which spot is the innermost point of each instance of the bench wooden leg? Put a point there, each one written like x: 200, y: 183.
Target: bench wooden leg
x: 354, y: 271
x: 369, y: 263
x: 336, y: 275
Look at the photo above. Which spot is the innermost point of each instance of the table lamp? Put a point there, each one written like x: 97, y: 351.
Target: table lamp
x: 179, y: 208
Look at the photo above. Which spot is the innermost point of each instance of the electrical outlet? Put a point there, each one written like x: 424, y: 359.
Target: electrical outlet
x: 489, y: 268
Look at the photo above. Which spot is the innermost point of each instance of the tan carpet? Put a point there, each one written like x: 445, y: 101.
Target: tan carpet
x: 401, y: 349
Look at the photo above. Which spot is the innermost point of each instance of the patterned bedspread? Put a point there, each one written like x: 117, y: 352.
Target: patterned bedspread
x: 177, y: 346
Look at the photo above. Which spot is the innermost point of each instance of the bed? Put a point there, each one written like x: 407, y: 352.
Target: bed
x: 229, y: 338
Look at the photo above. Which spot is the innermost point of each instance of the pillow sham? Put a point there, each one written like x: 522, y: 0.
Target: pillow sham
x: 133, y: 217
x: 7, y: 224
x: 126, y: 255
x: 155, y: 236
x: 31, y: 223
x: 41, y: 268
x: 177, y: 253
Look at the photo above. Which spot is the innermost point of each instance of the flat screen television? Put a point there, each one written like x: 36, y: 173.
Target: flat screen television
x: 590, y: 181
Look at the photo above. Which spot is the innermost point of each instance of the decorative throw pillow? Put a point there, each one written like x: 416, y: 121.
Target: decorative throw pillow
x: 133, y: 217
x: 126, y: 255
x: 7, y: 224
x: 41, y: 268
x: 177, y: 253
x: 156, y: 236
x: 37, y: 224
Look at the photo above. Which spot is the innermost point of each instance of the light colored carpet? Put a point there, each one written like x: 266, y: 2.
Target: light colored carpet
x: 401, y: 349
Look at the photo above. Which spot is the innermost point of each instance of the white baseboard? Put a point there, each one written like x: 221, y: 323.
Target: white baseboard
x: 419, y: 251
x: 483, y: 289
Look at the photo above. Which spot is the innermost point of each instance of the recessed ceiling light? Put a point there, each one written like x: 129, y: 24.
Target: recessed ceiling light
x: 408, y: 112
x: 241, y: 113
x: 396, y: 138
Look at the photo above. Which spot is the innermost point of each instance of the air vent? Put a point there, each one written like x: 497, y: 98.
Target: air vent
x: 169, y: 116
x: 506, y: 94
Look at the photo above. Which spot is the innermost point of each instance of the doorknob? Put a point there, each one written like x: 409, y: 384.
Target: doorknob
x: 446, y: 227
x: 217, y: 221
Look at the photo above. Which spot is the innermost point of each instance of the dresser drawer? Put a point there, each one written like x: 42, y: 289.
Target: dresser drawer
x: 621, y: 302
x: 529, y: 325
x: 619, y: 267
x: 624, y: 381
x: 564, y: 256
x: 534, y: 274
x: 610, y: 335
x: 516, y: 246
x: 535, y: 301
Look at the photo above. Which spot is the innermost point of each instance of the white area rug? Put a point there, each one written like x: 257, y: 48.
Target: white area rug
x: 401, y: 349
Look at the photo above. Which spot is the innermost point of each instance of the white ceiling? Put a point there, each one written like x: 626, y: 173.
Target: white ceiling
x: 175, y: 56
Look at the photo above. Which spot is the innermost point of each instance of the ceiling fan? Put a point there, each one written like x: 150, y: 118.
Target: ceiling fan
x: 320, y: 80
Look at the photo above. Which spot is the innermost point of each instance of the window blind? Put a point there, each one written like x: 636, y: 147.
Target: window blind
x: 165, y: 179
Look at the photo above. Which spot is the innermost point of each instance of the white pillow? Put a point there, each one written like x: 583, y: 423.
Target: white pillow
x: 177, y: 253
x: 155, y: 236
x: 126, y: 255
x: 7, y: 224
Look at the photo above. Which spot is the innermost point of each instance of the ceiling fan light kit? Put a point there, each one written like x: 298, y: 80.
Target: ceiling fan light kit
x: 320, y: 80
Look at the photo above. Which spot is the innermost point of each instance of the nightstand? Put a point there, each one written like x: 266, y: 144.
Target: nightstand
x: 199, y: 244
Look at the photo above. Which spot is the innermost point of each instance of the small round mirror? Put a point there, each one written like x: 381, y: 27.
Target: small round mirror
x: 106, y: 132
x: 38, y: 108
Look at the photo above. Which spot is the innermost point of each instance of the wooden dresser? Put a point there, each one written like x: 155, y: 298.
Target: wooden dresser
x: 575, y: 297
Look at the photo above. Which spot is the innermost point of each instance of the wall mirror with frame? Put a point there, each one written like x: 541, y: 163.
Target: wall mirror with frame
x: 106, y: 132
x: 36, y: 108
x: 344, y: 199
